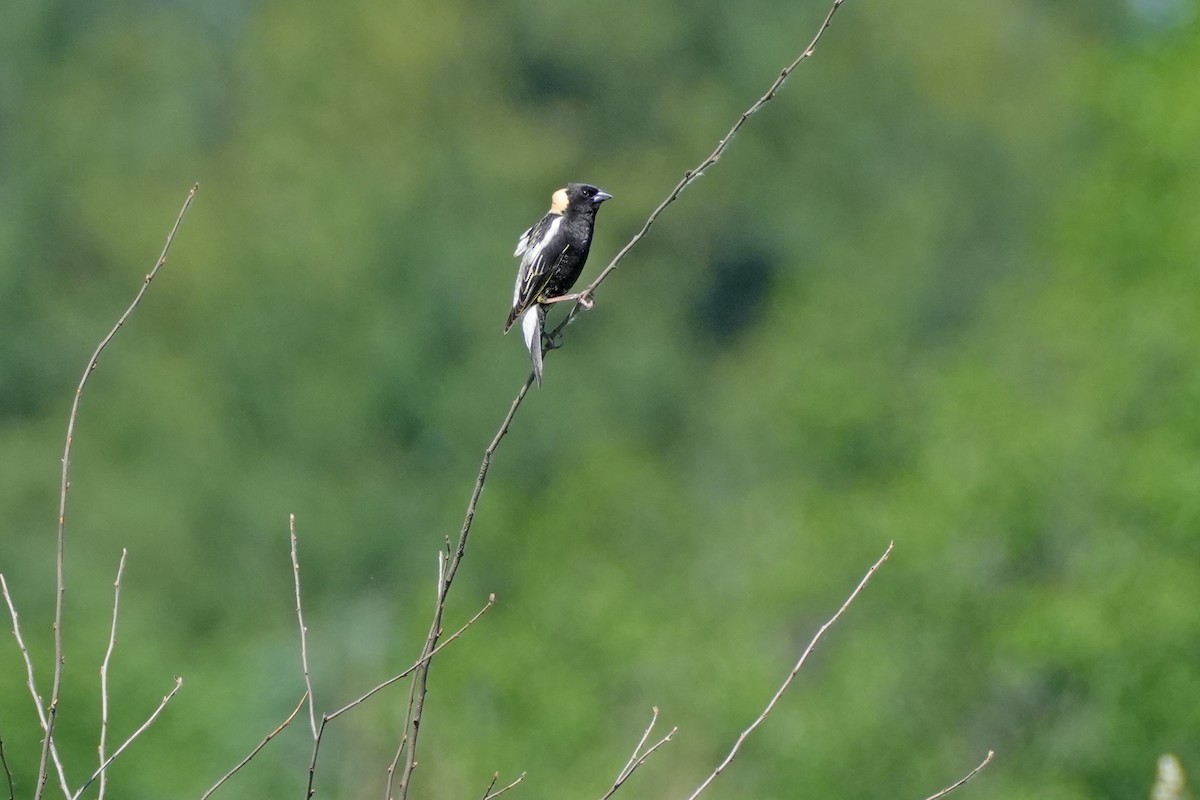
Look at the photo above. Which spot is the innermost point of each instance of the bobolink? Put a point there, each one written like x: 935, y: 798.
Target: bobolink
x: 553, y: 253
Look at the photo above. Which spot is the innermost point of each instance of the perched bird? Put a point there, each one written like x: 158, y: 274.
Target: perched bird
x: 552, y: 254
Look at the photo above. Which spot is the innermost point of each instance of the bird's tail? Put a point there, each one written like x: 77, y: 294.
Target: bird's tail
x: 531, y: 326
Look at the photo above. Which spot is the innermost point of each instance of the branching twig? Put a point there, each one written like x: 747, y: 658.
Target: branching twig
x: 65, y: 485
x: 491, y: 602
x: 112, y: 640
x: 490, y: 795
x: 37, y: 700
x: 445, y: 579
x: 963, y: 780
x: 416, y: 690
x: 639, y: 757
x: 261, y: 745
x: 327, y: 718
x: 132, y: 736
x: 7, y: 771
x: 691, y: 175
x: 312, y: 714
x: 792, y: 675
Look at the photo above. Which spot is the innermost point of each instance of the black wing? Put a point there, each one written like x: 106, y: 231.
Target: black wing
x: 540, y: 248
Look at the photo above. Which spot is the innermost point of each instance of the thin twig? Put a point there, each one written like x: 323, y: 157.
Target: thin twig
x: 261, y: 745
x: 132, y: 736
x: 416, y: 690
x: 493, y: 795
x: 964, y: 779
x: 792, y: 675
x: 417, y: 705
x: 628, y: 768
x: 37, y: 700
x: 638, y: 758
x: 491, y: 602
x: 7, y: 771
x: 587, y: 295
x: 327, y: 718
x: 312, y: 714
x: 400, y: 748
x: 112, y: 640
x: 65, y: 485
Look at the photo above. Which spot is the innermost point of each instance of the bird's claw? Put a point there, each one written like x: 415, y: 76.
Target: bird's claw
x: 583, y: 298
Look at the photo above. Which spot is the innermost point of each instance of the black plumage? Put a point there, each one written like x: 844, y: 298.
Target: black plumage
x: 553, y: 253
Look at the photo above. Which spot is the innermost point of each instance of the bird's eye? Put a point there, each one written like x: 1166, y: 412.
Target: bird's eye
x: 588, y: 192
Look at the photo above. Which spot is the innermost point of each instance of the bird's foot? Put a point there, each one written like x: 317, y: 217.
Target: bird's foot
x: 583, y: 298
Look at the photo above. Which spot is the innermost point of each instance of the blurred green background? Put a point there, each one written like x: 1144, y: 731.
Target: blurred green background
x: 943, y: 291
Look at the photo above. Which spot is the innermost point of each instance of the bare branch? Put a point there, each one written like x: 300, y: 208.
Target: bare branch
x: 584, y: 303
x: 400, y: 748
x: 490, y: 795
x: 327, y: 718
x: 37, y: 700
x: 260, y: 746
x: 416, y: 691
x: 112, y: 641
x: 445, y: 579
x: 491, y: 602
x: 312, y: 764
x: 132, y: 736
x: 964, y: 779
x: 791, y: 676
x: 65, y: 485
x: 312, y: 713
x: 7, y: 771
x: 638, y: 758
x: 628, y: 768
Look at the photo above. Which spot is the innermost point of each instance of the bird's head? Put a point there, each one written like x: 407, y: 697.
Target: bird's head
x: 578, y: 198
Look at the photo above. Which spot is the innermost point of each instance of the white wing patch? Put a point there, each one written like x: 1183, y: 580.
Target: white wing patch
x: 523, y: 242
x: 532, y: 257
x: 550, y: 231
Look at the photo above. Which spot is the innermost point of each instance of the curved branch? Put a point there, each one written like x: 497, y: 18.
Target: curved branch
x: 65, y: 485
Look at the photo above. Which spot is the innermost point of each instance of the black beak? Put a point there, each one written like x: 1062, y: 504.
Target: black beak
x: 600, y: 197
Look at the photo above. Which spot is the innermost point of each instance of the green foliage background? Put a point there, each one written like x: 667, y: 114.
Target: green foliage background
x: 942, y: 291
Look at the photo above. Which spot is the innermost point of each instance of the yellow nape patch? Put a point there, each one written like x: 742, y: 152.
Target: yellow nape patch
x: 558, y: 202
